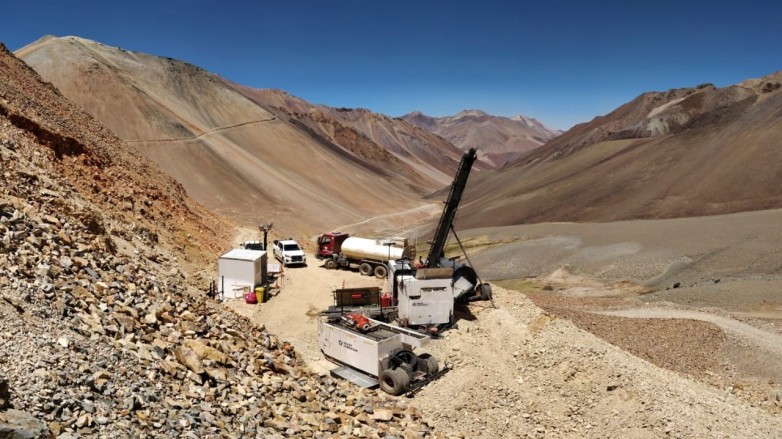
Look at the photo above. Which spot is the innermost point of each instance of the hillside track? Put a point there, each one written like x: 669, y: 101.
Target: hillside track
x: 202, y: 135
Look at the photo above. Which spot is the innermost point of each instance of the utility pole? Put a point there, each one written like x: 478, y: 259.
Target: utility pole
x: 265, y: 228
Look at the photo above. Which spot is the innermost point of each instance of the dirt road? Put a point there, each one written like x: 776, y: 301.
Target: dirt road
x: 293, y: 313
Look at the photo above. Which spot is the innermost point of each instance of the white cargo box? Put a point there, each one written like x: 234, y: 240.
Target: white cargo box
x: 239, y: 271
x: 365, y: 351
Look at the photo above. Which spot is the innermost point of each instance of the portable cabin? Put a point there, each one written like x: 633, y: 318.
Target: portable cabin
x: 240, y: 271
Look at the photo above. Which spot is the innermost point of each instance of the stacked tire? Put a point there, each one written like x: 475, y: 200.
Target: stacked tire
x: 396, y: 379
x: 428, y: 364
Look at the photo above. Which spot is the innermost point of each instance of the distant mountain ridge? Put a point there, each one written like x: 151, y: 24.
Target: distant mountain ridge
x: 264, y: 155
x: 654, y: 114
x: 684, y: 152
x: 498, y: 139
x: 365, y: 132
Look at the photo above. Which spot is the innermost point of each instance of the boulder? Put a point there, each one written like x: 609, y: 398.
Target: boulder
x: 16, y: 424
x: 205, y: 352
x: 189, y: 359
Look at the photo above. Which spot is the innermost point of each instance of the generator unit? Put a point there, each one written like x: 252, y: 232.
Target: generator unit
x: 375, y: 353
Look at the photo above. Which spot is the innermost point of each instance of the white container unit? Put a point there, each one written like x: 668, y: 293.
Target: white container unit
x: 425, y: 302
x: 240, y: 271
x: 366, y: 352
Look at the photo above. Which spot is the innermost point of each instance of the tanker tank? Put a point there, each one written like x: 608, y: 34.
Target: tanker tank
x: 372, y: 249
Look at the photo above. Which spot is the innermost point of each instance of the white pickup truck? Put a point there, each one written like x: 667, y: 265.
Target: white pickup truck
x: 289, y: 252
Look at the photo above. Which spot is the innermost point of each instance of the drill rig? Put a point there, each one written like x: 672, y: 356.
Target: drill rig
x: 374, y: 352
x: 425, y: 295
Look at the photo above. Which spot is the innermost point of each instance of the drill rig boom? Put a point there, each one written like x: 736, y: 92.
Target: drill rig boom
x: 449, y: 211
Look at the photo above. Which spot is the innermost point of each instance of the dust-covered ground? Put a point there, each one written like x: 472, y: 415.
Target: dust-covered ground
x: 571, y: 352
x: 733, y: 262
x: 520, y: 371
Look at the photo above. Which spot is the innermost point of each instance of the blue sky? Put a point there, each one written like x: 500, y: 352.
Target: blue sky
x: 563, y: 62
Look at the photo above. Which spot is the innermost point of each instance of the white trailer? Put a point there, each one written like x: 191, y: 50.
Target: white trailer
x: 240, y: 271
x: 382, y: 355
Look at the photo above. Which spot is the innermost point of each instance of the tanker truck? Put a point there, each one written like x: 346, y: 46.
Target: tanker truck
x: 369, y: 256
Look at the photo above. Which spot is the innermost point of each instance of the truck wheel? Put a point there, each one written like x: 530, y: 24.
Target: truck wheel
x: 365, y: 269
x: 404, y: 357
x: 428, y: 364
x: 394, y: 381
x: 381, y: 271
x: 330, y: 264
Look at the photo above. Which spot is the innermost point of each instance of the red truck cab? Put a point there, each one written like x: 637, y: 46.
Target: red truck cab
x: 330, y: 244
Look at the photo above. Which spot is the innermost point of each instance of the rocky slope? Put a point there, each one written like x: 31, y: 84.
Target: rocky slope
x: 100, y: 333
x: 249, y: 158
x: 521, y: 372
x: 430, y: 156
x: 498, y: 139
x: 685, y: 152
x: 142, y: 200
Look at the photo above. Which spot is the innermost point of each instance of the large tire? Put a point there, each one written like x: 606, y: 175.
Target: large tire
x: 330, y: 264
x: 408, y: 370
x: 365, y: 269
x: 404, y: 357
x: 394, y: 381
x: 428, y: 364
x: 381, y: 271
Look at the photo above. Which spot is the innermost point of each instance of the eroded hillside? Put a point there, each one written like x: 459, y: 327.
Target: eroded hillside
x: 140, y: 198
x: 685, y: 152
x: 237, y: 157
x: 429, y: 159
x: 100, y: 333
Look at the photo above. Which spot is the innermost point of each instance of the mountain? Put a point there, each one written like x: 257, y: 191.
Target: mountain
x: 684, y: 152
x: 499, y: 140
x: 430, y: 160
x: 238, y: 155
x: 105, y: 332
x: 141, y: 201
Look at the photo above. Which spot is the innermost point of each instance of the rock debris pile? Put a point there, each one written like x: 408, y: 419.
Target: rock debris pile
x: 99, y: 343
x: 101, y: 333
x: 525, y: 373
